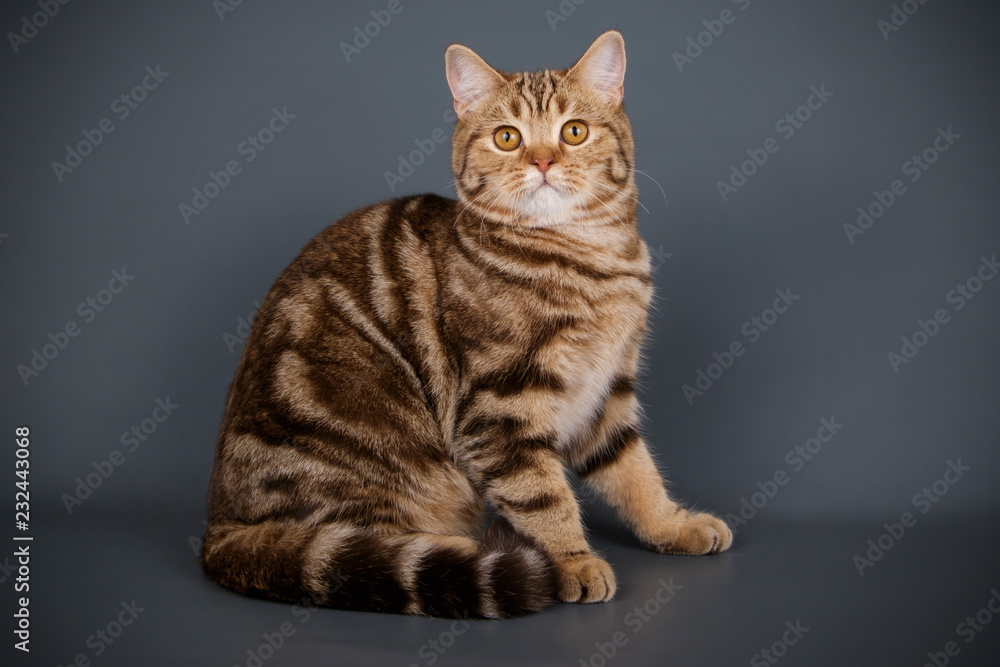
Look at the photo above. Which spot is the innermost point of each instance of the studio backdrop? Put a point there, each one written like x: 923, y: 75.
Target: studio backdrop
x: 819, y: 193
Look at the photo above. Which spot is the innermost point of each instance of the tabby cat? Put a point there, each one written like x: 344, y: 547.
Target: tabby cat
x: 424, y: 359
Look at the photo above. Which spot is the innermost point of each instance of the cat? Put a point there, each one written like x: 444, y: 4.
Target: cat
x: 424, y: 360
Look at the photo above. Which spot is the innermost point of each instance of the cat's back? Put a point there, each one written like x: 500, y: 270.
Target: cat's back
x: 352, y: 296
x: 365, y: 261
x: 376, y: 236
x: 338, y: 333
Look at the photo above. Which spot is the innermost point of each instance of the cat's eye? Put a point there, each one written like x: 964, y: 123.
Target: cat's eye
x: 507, y: 138
x: 574, y: 132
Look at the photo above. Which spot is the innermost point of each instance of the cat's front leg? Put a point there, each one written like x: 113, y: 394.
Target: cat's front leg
x: 617, y: 464
x: 518, y: 469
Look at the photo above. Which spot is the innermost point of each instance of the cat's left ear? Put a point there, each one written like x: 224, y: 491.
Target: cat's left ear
x: 602, y: 67
x: 469, y: 77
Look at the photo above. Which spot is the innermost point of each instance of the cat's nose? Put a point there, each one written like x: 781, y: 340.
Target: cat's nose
x: 542, y: 163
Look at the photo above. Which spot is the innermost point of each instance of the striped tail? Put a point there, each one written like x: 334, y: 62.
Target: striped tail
x: 346, y: 567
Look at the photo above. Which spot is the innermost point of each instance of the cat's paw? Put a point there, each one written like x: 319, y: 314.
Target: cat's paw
x: 585, y: 579
x: 694, y: 535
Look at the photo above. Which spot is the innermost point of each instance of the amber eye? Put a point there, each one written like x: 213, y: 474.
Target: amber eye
x: 574, y: 132
x: 507, y: 138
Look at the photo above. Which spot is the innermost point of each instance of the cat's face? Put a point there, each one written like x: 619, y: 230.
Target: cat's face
x: 544, y: 148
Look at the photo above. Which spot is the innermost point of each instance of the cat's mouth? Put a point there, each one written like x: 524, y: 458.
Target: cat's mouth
x: 545, y: 185
x: 546, y: 188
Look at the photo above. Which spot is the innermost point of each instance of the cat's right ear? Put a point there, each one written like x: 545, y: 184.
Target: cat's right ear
x: 469, y: 77
x: 602, y: 67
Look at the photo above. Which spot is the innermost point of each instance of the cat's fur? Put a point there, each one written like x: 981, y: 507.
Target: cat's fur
x: 424, y: 357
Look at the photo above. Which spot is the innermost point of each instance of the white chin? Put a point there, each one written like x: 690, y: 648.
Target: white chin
x: 545, y: 205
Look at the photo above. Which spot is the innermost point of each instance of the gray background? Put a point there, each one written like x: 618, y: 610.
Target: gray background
x: 718, y: 264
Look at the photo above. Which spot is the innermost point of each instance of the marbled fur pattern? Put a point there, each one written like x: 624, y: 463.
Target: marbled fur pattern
x: 423, y: 357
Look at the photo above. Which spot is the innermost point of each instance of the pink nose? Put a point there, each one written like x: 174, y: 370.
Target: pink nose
x: 542, y: 163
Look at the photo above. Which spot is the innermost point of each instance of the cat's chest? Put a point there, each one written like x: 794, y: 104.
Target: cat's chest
x: 587, y: 359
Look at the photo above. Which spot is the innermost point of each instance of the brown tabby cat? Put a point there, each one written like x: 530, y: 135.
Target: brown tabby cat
x: 423, y: 357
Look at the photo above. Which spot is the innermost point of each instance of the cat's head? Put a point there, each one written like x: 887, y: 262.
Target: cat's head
x: 539, y: 149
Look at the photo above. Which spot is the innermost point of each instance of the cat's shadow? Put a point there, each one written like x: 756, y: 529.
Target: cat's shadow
x: 602, y: 523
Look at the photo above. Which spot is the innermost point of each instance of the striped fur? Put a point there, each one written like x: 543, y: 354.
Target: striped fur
x: 424, y: 358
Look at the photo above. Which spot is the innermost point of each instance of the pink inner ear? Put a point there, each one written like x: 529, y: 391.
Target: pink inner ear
x: 603, y: 67
x: 469, y: 77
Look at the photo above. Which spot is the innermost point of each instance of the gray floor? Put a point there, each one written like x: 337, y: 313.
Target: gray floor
x: 721, y: 610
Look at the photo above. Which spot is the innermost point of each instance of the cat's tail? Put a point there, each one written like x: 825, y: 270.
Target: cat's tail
x: 346, y: 567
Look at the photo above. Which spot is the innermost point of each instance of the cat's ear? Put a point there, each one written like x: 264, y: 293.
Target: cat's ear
x: 469, y: 77
x: 602, y: 67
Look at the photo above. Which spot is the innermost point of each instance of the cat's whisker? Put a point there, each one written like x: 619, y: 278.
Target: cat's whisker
x: 515, y: 223
x: 488, y: 192
x: 611, y: 210
x: 478, y: 197
x: 453, y: 183
x: 516, y: 242
x: 579, y: 227
x: 481, y: 215
x: 482, y: 219
x: 473, y: 201
x: 655, y: 181
x: 489, y: 206
x: 613, y: 189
